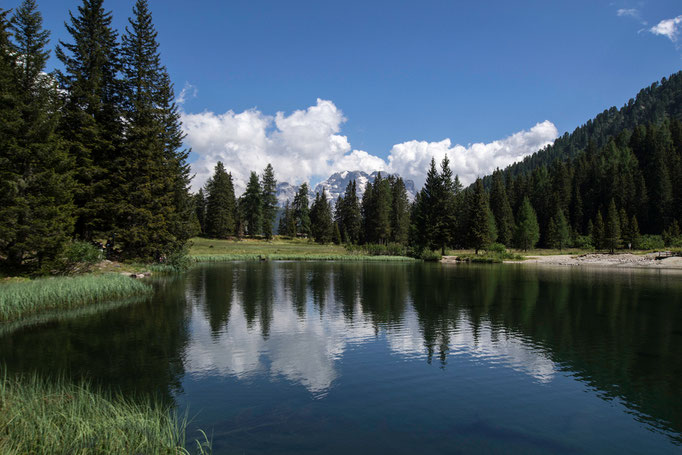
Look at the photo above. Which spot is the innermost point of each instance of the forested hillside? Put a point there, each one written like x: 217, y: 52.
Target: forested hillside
x: 631, y: 157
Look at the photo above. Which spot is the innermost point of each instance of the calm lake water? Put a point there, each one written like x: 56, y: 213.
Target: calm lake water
x: 339, y: 358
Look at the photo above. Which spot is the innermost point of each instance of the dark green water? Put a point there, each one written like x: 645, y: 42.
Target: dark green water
x: 338, y: 358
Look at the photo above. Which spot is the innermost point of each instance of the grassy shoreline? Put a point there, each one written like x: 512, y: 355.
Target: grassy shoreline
x: 53, y: 417
x: 22, y: 299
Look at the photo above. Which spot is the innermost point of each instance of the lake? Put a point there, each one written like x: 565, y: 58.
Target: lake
x: 401, y: 358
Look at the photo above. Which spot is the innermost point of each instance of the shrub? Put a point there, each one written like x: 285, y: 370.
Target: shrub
x: 430, y: 256
x: 497, y: 248
x: 179, y: 260
x: 77, y: 257
x: 651, y: 242
x: 584, y: 242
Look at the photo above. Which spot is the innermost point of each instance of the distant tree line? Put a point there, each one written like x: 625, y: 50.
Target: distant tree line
x: 626, y: 192
x: 93, y: 151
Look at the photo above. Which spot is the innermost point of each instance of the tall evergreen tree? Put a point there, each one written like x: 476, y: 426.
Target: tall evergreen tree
x: 91, y: 117
x: 321, y: 219
x: 481, y: 232
x: 612, y: 232
x: 150, y: 184
x: 424, y: 229
x: 220, y: 204
x: 527, y: 229
x: 381, y: 210
x: 351, y: 214
x: 253, y: 206
x: 36, y: 210
x: 599, y: 232
x: 200, y: 209
x: 269, y: 201
x: 400, y: 212
x: 559, y: 232
x: 284, y: 221
x: 302, y: 211
x: 499, y: 204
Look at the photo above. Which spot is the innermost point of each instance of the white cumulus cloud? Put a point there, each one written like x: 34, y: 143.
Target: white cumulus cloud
x: 307, y: 145
x: 669, y: 28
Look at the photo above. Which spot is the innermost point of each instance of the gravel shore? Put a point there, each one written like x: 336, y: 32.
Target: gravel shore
x: 650, y: 260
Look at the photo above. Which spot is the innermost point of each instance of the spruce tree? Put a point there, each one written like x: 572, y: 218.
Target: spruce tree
x: 220, y: 204
x: 302, y: 211
x: 499, y: 204
x: 91, y: 121
x: 527, y: 229
x: 400, y: 212
x: 351, y: 214
x: 424, y: 228
x: 269, y: 201
x: 337, y: 239
x: 200, y: 210
x: 381, y: 210
x: 612, y: 232
x: 283, y: 227
x: 253, y: 206
x: 36, y: 209
x: 559, y: 233
x: 446, y: 202
x: 321, y: 219
x: 150, y: 186
x: 480, y: 232
x: 599, y: 232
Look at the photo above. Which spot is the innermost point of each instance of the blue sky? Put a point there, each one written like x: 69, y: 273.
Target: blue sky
x: 396, y: 72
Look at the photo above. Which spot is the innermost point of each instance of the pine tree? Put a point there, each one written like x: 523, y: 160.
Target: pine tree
x: 36, y: 210
x: 91, y: 117
x: 527, y: 229
x: 499, y: 204
x: 599, y: 232
x: 150, y: 195
x: 302, y: 211
x: 337, y: 235
x: 381, y: 210
x: 400, y: 212
x: 269, y: 201
x: 253, y: 206
x: 424, y: 218
x: 559, y: 233
x: 200, y: 210
x: 480, y: 232
x: 351, y: 214
x: 321, y: 219
x: 612, y: 232
x: 633, y: 234
x: 220, y: 204
x: 283, y: 227
x: 446, y: 210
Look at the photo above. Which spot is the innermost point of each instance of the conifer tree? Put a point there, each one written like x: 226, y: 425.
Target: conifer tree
x: 253, y: 206
x: 200, y: 210
x: 612, y: 232
x: 400, y: 212
x: 351, y: 214
x: 302, y: 211
x: 558, y: 233
x: 337, y: 235
x: 220, y: 204
x: 321, y: 219
x: 446, y: 202
x: 633, y: 234
x: 499, y: 204
x: 480, y: 232
x: 599, y: 232
x: 283, y: 227
x: 91, y: 117
x: 527, y: 229
x: 381, y: 210
x: 150, y: 196
x: 36, y: 210
x: 269, y: 201
x: 424, y: 229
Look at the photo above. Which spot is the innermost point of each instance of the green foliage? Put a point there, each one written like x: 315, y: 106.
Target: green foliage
x: 252, y: 206
x: 78, y: 257
x: 36, y: 204
x: 220, y: 204
x: 496, y: 248
x: 612, y: 233
x: 671, y: 234
x: 22, y: 299
x: 321, y: 219
x: 558, y: 232
x: 348, y: 214
x: 179, y: 260
x: 651, y: 242
x: 482, y: 229
x: 41, y: 417
x: 302, y: 212
x: 430, y: 256
x: 499, y: 204
x: 527, y: 229
x: 269, y: 199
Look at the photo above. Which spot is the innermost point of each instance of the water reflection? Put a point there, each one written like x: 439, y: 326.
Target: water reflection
x: 422, y: 341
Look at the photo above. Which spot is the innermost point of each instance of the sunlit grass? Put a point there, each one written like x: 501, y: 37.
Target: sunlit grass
x: 41, y: 417
x: 19, y: 299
